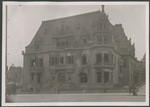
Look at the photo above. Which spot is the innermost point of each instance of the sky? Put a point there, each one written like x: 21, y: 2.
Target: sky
x: 24, y: 21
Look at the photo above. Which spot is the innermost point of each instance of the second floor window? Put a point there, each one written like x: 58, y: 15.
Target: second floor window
x: 98, y: 58
x: 106, y: 58
x: 70, y: 59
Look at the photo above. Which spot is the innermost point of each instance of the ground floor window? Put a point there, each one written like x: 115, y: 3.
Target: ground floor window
x: 83, y: 78
x: 99, y: 77
x: 106, y: 77
x: 39, y: 78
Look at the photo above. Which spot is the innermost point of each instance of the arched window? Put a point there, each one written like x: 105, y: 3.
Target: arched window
x: 83, y: 77
x: 70, y: 58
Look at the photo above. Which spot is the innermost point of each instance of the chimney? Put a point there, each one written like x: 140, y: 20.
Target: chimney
x: 103, y: 9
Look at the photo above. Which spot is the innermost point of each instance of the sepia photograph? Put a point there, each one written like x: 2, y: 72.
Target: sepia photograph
x: 75, y: 53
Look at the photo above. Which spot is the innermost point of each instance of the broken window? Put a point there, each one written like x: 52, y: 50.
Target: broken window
x: 84, y: 59
x: 98, y: 58
x: 99, y: 77
x: 106, y: 58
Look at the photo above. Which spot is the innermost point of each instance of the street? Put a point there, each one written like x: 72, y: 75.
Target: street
x: 84, y: 97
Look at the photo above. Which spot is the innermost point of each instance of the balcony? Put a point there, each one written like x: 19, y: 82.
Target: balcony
x: 104, y: 65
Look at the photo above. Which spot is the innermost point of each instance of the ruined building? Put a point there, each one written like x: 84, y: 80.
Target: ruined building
x: 82, y: 49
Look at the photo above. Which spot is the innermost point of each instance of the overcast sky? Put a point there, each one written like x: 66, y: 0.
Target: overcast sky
x: 24, y: 21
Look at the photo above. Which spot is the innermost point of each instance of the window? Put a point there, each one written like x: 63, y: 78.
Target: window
x: 51, y: 61
x: 83, y: 77
x: 111, y: 55
x: 98, y: 58
x: 84, y: 59
x: 106, y: 58
x: 70, y: 59
x: 32, y: 62
x: 39, y: 78
x: 41, y: 61
x: 106, y: 77
x: 99, y: 77
x: 61, y: 60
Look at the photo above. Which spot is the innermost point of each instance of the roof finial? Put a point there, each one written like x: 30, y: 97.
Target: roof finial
x: 103, y: 8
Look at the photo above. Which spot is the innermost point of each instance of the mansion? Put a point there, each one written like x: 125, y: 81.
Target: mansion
x: 84, y: 49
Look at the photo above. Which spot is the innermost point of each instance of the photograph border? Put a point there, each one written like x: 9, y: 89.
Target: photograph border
x: 4, y: 56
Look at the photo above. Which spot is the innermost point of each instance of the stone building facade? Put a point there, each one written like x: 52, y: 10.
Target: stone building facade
x: 79, y: 50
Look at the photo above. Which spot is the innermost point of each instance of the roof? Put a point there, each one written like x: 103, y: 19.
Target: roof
x: 73, y: 25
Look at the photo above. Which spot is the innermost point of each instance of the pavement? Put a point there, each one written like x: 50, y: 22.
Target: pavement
x: 80, y: 97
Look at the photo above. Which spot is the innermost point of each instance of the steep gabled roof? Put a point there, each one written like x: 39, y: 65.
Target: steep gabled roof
x: 73, y: 25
